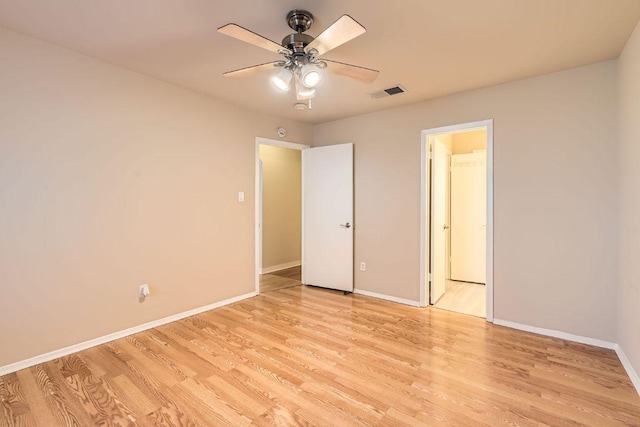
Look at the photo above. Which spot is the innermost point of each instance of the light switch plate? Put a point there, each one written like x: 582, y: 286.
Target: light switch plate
x: 241, y: 196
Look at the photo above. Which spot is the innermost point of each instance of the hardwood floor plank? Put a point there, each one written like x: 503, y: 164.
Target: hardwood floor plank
x: 395, y: 417
x: 209, y: 352
x: 235, y: 394
x: 256, y: 388
x: 304, y: 356
x: 194, y: 408
x: 38, y: 409
x: 391, y: 394
x: 170, y: 415
x: 7, y: 418
x: 16, y: 409
x: 60, y: 399
x: 365, y: 409
x: 215, y: 402
x: 140, y: 402
x: 279, y: 416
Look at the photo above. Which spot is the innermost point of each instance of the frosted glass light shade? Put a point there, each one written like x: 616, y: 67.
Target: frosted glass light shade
x: 282, y: 79
x: 310, y: 75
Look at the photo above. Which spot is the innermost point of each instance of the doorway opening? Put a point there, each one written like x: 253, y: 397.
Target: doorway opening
x: 278, y: 214
x: 457, y: 219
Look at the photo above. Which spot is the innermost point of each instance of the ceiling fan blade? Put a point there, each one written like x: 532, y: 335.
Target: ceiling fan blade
x: 243, y: 72
x: 344, y: 29
x: 247, y: 36
x: 365, y: 75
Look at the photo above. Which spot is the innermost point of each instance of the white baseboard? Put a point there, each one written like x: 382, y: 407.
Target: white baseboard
x: 633, y: 375
x: 556, y: 334
x: 387, y: 297
x: 279, y: 267
x: 27, y: 363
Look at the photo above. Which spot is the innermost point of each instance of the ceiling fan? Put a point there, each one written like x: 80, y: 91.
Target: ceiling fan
x: 301, y: 51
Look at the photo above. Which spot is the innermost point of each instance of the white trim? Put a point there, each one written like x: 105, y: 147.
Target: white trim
x: 633, y: 375
x: 556, y: 334
x: 489, y: 284
x: 280, y: 267
x: 257, y: 190
x: 260, y: 214
x: 27, y: 363
x: 424, y: 206
x: 387, y: 297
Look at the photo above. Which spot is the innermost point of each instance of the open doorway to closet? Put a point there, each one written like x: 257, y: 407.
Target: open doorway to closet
x: 457, y: 238
x: 279, y: 214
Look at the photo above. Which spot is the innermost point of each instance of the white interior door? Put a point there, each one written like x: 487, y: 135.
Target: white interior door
x: 438, y: 219
x: 468, y: 217
x: 327, y: 192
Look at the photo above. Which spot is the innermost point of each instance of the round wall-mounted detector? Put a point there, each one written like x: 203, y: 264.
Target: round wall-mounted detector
x: 282, y: 132
x: 300, y: 106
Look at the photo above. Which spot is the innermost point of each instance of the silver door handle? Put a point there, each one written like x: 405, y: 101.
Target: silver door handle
x: 347, y: 225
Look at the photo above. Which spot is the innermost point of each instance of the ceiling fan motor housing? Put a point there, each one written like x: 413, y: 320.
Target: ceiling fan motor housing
x: 296, y: 42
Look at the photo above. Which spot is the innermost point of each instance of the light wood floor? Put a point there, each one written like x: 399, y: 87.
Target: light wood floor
x: 307, y: 356
x: 465, y: 298
x: 281, y: 279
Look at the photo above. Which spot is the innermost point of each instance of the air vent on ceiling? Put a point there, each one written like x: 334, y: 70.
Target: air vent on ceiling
x: 396, y: 90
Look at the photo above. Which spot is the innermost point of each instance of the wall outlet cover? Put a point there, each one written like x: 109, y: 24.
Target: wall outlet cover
x: 143, y: 291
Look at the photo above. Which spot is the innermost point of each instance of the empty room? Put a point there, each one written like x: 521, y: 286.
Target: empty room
x: 336, y: 213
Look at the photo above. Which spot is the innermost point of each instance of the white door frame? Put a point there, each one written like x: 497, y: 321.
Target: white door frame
x: 424, y: 206
x: 258, y: 198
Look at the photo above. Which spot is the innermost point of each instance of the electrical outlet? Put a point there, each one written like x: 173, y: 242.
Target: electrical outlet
x: 363, y: 266
x: 143, y: 291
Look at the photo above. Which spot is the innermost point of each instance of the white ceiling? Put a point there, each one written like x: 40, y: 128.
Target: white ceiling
x: 432, y: 48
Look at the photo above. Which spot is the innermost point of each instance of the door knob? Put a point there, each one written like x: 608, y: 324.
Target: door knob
x: 444, y: 227
x: 347, y: 225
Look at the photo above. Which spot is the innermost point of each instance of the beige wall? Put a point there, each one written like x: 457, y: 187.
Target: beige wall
x: 629, y: 199
x: 110, y: 179
x: 281, y: 205
x: 466, y: 142
x: 554, y: 171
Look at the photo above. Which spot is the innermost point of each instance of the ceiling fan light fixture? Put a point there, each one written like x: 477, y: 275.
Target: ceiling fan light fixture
x: 282, y: 79
x: 310, y: 76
